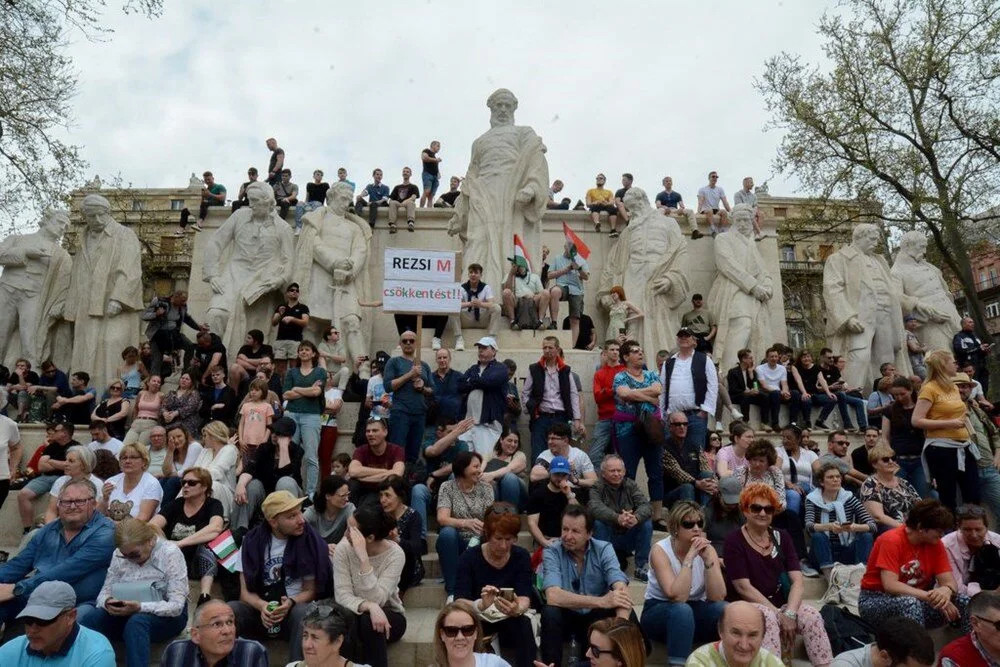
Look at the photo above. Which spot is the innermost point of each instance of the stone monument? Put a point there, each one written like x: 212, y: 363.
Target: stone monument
x: 740, y: 294
x: 247, y: 262
x: 648, y: 262
x: 36, y: 274
x: 105, y: 292
x: 331, y: 258
x: 864, y: 313
x: 925, y: 293
x: 505, y: 191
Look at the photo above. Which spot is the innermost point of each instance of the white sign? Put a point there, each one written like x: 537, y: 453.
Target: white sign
x: 435, y: 266
x: 407, y: 296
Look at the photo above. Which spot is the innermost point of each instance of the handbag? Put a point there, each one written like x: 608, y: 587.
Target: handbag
x: 147, y: 590
x: 652, y: 428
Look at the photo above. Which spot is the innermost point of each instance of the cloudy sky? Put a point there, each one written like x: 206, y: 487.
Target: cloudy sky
x: 653, y: 88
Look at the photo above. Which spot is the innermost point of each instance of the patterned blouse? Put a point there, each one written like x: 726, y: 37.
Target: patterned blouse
x: 896, y: 501
x: 187, y: 407
x: 624, y: 379
x: 471, y: 505
x: 166, y: 564
x: 772, y: 477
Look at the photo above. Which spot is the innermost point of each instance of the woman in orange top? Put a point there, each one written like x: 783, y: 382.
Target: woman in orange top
x: 940, y: 412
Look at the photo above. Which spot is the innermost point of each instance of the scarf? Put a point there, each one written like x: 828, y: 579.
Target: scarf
x: 832, y: 508
x: 305, y: 555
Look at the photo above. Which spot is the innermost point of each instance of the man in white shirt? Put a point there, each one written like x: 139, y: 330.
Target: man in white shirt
x: 10, y: 449
x: 690, y: 385
x: 102, y: 440
x: 712, y: 201
x: 582, y: 474
x: 479, y: 308
x: 773, y: 379
x: 522, y: 284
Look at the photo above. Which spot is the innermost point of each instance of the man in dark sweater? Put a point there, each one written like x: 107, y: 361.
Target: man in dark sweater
x: 622, y: 515
x: 482, y: 389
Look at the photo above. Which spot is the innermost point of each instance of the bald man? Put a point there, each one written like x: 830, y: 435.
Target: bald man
x: 741, y: 629
x: 214, y: 641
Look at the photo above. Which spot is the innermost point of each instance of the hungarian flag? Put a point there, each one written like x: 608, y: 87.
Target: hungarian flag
x: 225, y: 550
x: 579, y: 247
x: 521, y: 257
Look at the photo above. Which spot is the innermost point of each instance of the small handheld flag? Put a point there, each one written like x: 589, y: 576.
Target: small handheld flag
x: 579, y: 247
x: 521, y: 257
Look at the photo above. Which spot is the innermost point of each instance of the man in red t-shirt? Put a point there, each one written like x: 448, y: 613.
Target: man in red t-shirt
x: 374, y: 462
x: 981, y: 647
x: 604, y: 396
x: 908, y: 572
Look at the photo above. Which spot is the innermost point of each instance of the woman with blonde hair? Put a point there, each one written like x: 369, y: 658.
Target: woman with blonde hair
x: 144, y: 597
x: 219, y: 456
x: 132, y: 492
x: 80, y: 463
x: 457, y: 635
x: 948, y: 454
x: 145, y: 410
x: 620, y: 640
x: 887, y: 496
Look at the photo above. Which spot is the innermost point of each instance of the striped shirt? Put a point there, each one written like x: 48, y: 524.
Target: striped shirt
x: 185, y: 653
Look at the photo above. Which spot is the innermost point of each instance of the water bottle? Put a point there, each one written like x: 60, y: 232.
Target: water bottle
x: 276, y: 628
x: 474, y: 542
x: 573, y: 657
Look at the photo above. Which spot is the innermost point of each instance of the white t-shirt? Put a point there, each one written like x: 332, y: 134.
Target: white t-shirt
x: 332, y: 394
x: 121, y: 504
x: 61, y: 482
x: 193, y: 452
x: 803, y: 466
x: 579, y: 461
x: 113, y: 445
x: 273, y: 560
x: 772, y: 377
x: 376, y: 390
x: 9, y: 435
x: 712, y: 196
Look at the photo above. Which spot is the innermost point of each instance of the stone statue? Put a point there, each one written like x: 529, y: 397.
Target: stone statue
x: 331, y: 260
x: 105, y: 292
x: 195, y: 183
x: 741, y: 291
x: 248, y: 263
x: 864, y: 313
x: 36, y: 273
x: 505, y: 191
x: 925, y: 293
x: 648, y: 262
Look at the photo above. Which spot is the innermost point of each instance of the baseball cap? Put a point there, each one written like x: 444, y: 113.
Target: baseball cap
x: 684, y: 331
x: 909, y: 318
x: 487, y: 341
x: 729, y: 490
x: 559, y: 464
x: 278, y: 502
x: 283, y: 426
x: 48, y: 600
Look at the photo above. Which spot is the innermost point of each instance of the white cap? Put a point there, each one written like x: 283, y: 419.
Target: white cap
x: 488, y: 341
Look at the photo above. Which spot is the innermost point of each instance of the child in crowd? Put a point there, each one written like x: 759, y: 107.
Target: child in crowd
x: 256, y: 415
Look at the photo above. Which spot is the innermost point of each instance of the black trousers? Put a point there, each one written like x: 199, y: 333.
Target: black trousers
x: 514, y: 633
x: 371, y: 647
x: 559, y: 624
x: 745, y: 400
x: 943, y: 464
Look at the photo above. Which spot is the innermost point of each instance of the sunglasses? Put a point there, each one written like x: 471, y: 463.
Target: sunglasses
x: 409, y: 341
x: 679, y: 424
x: 597, y: 651
x: 688, y: 525
x: 116, y: 388
x: 38, y: 622
x: 995, y: 624
x: 451, y: 631
x: 887, y: 459
x: 766, y: 509
x: 192, y: 482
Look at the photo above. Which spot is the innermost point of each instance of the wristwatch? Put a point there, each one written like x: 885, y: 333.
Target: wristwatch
x: 790, y: 614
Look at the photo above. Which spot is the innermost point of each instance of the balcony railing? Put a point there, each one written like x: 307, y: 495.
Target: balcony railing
x: 802, y: 267
x: 981, y: 286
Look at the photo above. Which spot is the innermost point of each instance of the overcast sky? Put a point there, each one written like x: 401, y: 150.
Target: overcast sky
x: 653, y: 88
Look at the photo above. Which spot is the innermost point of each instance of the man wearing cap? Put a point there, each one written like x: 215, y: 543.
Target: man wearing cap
x: 284, y: 561
x: 76, y: 549
x: 550, y: 395
x: 582, y: 474
x: 482, y: 389
x: 374, y: 462
x: 702, y: 322
x: 51, y: 634
x: 214, y: 642
x: 986, y: 436
x: 479, y: 308
x: 547, y: 502
x: 691, y: 386
x: 521, y: 283
x: 274, y: 466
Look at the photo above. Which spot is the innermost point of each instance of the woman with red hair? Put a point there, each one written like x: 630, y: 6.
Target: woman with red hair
x: 620, y: 313
x: 756, y: 557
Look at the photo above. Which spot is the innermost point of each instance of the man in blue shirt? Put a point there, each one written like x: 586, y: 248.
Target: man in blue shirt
x: 583, y: 583
x: 569, y: 270
x: 52, y: 635
x: 671, y: 204
x: 76, y: 549
x: 409, y: 380
x: 378, y: 195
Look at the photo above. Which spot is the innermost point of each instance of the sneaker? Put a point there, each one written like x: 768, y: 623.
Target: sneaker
x: 758, y: 238
x: 514, y: 326
x: 660, y: 525
x: 614, y: 233
x: 409, y: 225
x: 821, y: 426
x: 807, y: 570
x: 196, y: 227
x: 695, y: 235
x: 203, y: 598
x: 552, y: 326
x: 297, y: 231
x: 736, y: 414
x: 597, y: 227
x: 435, y: 343
x: 641, y: 573
x: 450, y: 599
x: 459, y: 344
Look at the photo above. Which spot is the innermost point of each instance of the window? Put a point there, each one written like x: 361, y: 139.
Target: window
x: 796, y: 336
x: 787, y: 253
x: 176, y: 204
x: 780, y: 212
x: 138, y: 205
x: 993, y: 310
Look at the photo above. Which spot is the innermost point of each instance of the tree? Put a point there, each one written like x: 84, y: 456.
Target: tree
x: 905, y: 113
x: 37, y: 84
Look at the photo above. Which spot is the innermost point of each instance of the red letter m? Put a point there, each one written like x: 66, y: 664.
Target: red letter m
x: 444, y: 265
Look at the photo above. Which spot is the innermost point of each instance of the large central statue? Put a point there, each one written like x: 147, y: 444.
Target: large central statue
x: 105, y: 293
x: 925, y: 293
x: 741, y: 292
x: 247, y: 283
x: 505, y: 191
x: 331, y: 260
x: 648, y: 262
x: 864, y: 316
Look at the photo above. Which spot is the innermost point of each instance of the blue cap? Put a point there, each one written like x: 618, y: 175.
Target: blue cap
x: 559, y: 464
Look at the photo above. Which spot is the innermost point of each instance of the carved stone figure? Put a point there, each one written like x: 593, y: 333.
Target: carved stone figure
x: 741, y: 291
x: 331, y: 260
x: 925, y: 293
x: 648, y: 262
x: 864, y: 313
x: 36, y: 273
x: 248, y: 263
x: 105, y: 292
x: 505, y: 191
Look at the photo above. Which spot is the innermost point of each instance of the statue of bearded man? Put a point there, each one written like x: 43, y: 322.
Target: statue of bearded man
x: 925, y: 294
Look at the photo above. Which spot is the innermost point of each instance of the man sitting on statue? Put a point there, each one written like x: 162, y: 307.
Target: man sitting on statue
x: 479, y: 308
x: 569, y: 270
x: 78, y: 406
x: 521, y: 291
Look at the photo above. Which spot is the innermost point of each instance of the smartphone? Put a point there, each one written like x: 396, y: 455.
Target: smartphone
x: 116, y: 603
x: 508, y: 594
x: 621, y: 331
x: 845, y: 524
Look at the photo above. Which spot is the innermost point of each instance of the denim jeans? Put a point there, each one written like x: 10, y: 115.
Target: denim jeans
x: 407, y: 431
x: 599, y: 440
x: 860, y: 406
x: 682, y: 625
x: 697, y: 431
x: 632, y: 446
x: 307, y: 428
x: 825, y: 404
x: 420, y: 501
x: 540, y: 432
x: 138, y: 630
x: 912, y: 470
x: 794, y: 500
x: 450, y: 545
x: 636, y: 539
x: 989, y: 488
x: 511, y: 489
x: 302, y: 208
x: 827, y: 549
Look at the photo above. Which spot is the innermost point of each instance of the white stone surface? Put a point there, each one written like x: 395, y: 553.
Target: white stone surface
x: 925, y: 293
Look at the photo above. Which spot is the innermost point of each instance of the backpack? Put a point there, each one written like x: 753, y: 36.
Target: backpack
x: 846, y: 631
x: 526, y: 313
x: 985, y: 567
x: 845, y: 586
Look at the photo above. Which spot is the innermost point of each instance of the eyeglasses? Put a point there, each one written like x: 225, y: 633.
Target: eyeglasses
x: 597, y: 651
x: 679, y: 424
x: 688, y: 525
x: 42, y: 623
x: 191, y: 482
x: 766, y: 509
x: 408, y: 341
x: 74, y: 502
x: 501, y: 510
x: 219, y: 625
x: 451, y: 631
x: 116, y: 388
x: 995, y: 624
